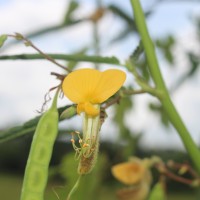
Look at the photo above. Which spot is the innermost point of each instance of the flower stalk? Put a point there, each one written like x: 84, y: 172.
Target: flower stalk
x: 74, y: 188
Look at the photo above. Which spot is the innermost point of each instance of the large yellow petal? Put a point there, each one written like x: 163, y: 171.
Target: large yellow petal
x: 110, y: 82
x: 79, y: 85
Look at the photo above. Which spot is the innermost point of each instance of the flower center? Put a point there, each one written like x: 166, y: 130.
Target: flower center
x: 90, y: 109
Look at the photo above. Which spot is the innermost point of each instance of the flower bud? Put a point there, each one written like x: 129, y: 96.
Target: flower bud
x: 68, y: 113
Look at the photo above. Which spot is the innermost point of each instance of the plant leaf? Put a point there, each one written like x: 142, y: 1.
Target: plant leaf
x: 3, y: 38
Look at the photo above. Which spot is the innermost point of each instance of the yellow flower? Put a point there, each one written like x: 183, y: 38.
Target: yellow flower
x: 90, y: 87
x: 128, y: 173
x: 135, y: 174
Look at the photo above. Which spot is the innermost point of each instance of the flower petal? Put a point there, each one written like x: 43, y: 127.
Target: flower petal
x: 110, y: 82
x: 79, y: 85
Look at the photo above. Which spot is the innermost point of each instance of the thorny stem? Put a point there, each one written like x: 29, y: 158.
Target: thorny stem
x: 29, y: 43
x: 165, y: 99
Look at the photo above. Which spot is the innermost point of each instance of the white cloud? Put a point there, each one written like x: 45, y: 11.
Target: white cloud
x: 22, y: 16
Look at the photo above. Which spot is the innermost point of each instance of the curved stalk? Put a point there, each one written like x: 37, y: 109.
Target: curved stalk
x: 168, y: 106
x: 74, y: 188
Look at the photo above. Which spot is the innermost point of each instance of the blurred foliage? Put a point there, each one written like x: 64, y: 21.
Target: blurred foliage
x: 130, y: 27
x: 157, y: 108
x: 139, y: 61
x: 157, y: 192
x: 89, y: 186
x: 166, y: 46
x: 126, y: 137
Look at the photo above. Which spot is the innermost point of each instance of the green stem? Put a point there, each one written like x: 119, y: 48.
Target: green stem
x: 168, y: 106
x: 72, y: 57
x: 74, y: 188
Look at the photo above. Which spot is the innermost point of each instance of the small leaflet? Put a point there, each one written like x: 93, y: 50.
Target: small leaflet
x: 3, y: 38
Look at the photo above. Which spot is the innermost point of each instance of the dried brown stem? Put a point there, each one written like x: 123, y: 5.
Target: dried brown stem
x: 163, y: 170
x: 177, y: 166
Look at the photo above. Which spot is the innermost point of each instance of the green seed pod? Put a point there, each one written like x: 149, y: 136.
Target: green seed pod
x: 36, y: 172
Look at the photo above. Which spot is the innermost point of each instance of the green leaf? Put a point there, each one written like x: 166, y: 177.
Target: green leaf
x: 73, y: 5
x: 127, y: 18
x: 138, y: 51
x: 130, y: 23
x: 194, y: 60
x: 139, y: 61
x: 27, y: 128
x: 3, y: 38
x: 122, y: 14
x: 166, y: 45
x: 157, y: 193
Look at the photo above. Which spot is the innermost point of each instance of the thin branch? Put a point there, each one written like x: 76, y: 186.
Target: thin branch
x: 132, y: 92
x: 27, y: 42
x: 177, y: 166
x: 111, y: 102
x: 178, y: 178
x: 163, y: 170
x: 120, y: 95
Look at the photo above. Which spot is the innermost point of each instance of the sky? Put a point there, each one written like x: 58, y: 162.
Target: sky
x: 24, y: 83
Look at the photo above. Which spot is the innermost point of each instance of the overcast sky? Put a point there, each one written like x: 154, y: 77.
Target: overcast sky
x: 24, y: 83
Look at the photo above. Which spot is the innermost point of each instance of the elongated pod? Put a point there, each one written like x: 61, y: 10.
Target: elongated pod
x: 36, y: 173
